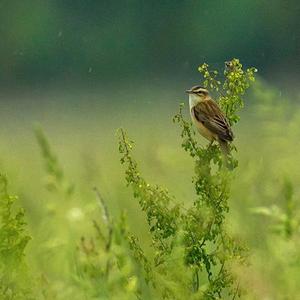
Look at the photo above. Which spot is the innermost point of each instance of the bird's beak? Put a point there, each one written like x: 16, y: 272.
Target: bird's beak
x: 189, y: 91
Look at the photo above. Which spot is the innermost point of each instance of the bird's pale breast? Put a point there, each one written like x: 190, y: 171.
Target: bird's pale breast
x: 202, y: 129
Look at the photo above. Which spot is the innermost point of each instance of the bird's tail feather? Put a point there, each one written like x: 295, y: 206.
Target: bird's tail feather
x: 225, y: 151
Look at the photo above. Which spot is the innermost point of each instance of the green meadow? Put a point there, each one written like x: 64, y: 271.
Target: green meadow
x: 107, y: 191
x: 82, y: 135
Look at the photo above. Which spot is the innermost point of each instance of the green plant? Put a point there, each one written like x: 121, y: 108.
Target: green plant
x: 163, y: 218
x: 285, y: 220
x: 196, y: 237
x: 56, y: 180
x: 13, y: 241
x: 282, y: 240
x: 59, y: 210
x: 103, y: 269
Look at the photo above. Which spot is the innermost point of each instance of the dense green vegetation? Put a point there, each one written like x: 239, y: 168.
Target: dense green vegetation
x: 87, y: 238
x: 172, y: 219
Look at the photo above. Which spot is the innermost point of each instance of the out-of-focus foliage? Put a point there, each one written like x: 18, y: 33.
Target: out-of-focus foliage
x: 56, y: 41
x: 82, y: 137
x: 103, y: 269
x: 284, y: 224
x: 56, y: 180
x: 286, y: 220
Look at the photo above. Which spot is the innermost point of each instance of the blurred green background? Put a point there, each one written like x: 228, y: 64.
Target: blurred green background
x: 82, y: 69
x: 99, y: 42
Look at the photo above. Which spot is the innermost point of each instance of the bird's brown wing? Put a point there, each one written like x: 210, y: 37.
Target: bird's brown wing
x: 211, y: 116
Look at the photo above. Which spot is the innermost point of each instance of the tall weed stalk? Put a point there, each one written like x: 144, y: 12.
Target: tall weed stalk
x: 193, y: 234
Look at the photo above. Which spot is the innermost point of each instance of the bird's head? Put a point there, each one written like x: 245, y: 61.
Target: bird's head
x: 198, y: 94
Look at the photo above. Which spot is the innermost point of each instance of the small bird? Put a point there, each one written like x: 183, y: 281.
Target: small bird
x: 208, y: 118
